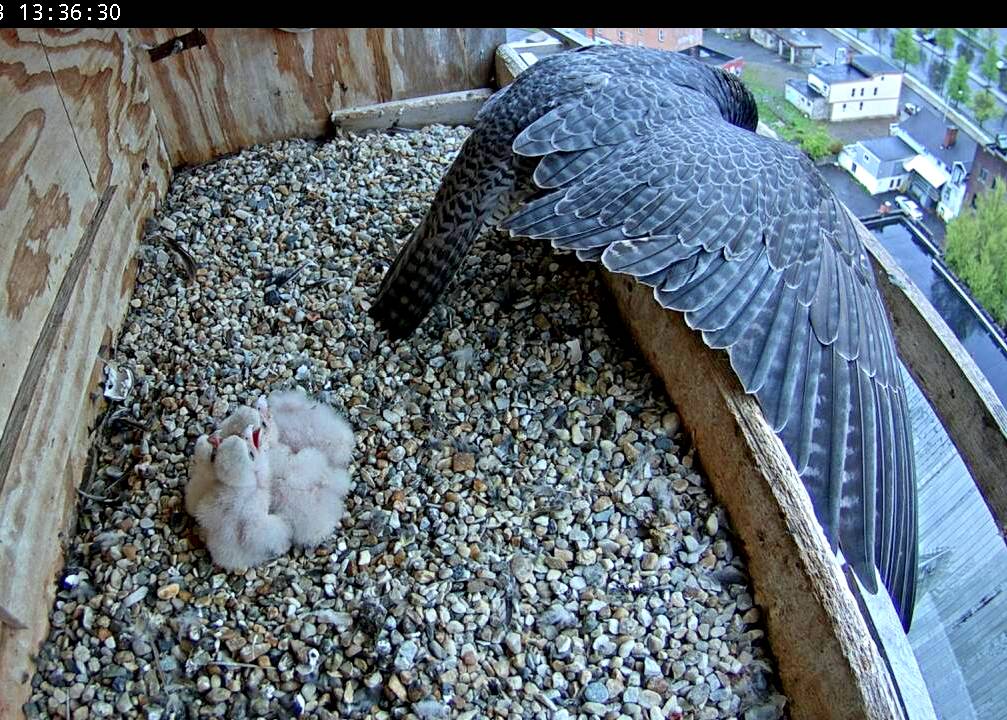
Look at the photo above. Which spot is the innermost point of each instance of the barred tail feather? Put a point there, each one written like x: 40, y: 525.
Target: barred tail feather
x: 480, y: 176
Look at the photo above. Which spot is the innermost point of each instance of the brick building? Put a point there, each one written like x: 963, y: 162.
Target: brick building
x: 989, y: 169
x: 658, y: 38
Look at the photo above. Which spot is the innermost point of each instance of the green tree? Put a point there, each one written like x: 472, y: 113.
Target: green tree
x: 958, y: 85
x: 905, y: 48
x: 945, y: 39
x: 985, y: 106
x: 977, y: 250
x: 988, y: 68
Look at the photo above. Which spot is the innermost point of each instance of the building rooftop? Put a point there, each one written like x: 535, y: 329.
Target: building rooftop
x: 872, y: 65
x: 804, y: 89
x: 928, y: 129
x: 708, y: 55
x: 889, y: 148
x: 838, y: 73
x: 796, y: 40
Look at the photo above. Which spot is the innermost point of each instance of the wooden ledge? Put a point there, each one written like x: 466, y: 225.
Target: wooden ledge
x: 457, y: 108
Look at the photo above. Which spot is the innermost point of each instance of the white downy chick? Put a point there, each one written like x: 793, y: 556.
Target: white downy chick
x: 240, y: 530
x: 235, y: 423
x: 308, y: 493
x: 202, y: 474
x: 303, y: 422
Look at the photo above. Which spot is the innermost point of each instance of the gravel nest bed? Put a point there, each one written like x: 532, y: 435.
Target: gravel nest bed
x: 526, y: 535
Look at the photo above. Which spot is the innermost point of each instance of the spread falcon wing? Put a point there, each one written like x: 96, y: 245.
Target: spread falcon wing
x: 631, y: 157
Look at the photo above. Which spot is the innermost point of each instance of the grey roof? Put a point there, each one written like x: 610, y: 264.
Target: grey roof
x: 872, y: 65
x: 889, y: 148
x: 708, y: 55
x: 798, y: 41
x: 838, y: 73
x: 804, y: 89
x: 927, y: 128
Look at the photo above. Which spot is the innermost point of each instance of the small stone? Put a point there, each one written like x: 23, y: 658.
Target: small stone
x: 218, y: 695
x: 596, y: 692
x: 522, y: 568
x: 712, y: 525
x: 649, y: 699
x: 398, y: 690
x: 513, y: 642
x: 463, y: 462
x: 167, y: 592
x: 406, y: 655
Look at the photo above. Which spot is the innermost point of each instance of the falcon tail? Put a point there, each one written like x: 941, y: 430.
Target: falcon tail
x: 480, y: 176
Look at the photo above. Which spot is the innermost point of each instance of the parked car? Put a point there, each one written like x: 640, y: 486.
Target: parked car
x: 909, y: 207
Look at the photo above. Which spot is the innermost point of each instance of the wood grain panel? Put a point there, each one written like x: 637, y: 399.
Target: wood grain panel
x: 46, y: 201
x: 86, y: 85
x: 248, y: 86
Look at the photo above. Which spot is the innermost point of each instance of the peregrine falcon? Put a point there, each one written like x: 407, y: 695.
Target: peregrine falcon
x: 648, y: 161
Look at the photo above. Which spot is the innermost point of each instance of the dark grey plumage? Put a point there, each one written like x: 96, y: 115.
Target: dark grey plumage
x: 647, y: 161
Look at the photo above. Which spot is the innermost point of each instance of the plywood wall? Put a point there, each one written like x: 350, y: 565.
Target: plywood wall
x: 90, y: 127
x: 247, y: 86
x: 81, y: 165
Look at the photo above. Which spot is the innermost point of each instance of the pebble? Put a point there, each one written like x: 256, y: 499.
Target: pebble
x: 167, y: 592
x: 519, y: 509
x: 596, y: 692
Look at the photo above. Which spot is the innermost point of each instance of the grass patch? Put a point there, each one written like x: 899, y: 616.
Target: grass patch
x: 812, y: 136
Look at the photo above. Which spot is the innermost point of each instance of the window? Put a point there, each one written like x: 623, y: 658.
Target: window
x: 984, y: 175
x: 853, y: 92
x: 622, y: 36
x: 875, y: 91
x: 660, y: 35
x: 861, y: 105
x: 861, y: 92
x: 844, y: 107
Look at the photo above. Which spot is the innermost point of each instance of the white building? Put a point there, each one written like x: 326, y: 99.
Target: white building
x: 879, y: 164
x: 922, y: 157
x: 939, y: 172
x: 868, y: 87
